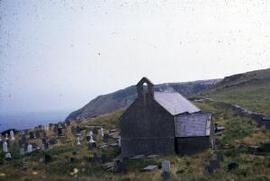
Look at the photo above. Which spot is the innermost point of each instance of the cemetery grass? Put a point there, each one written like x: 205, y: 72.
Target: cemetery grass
x: 239, y: 131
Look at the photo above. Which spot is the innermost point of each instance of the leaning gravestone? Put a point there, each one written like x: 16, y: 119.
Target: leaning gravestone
x: 165, y: 170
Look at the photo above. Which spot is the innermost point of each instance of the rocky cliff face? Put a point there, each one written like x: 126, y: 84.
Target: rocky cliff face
x: 123, y: 98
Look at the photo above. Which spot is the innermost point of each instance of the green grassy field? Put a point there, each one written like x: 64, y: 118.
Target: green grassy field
x: 250, y: 90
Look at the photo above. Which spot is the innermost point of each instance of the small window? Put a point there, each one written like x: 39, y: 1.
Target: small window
x: 145, y: 88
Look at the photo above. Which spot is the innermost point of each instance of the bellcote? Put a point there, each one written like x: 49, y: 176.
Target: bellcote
x: 145, y: 88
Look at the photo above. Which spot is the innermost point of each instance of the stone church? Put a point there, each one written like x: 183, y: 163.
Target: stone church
x: 163, y: 123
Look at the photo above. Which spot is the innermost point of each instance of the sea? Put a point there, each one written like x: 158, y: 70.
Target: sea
x: 23, y: 120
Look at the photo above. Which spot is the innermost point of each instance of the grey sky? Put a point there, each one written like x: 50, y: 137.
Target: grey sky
x: 58, y: 55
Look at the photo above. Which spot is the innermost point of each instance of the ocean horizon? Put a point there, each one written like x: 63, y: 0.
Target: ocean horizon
x: 26, y: 120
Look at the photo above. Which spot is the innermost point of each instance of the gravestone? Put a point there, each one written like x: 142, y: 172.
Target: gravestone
x: 8, y: 156
x: 21, y: 143
x: 78, y: 131
x: 91, y: 143
x: 12, y: 136
x: 220, y: 156
x: 29, y: 148
x: 55, y: 129
x: 120, y: 167
x: 95, y: 130
x: 106, y: 138
x: 213, y: 165
x: 101, y: 131
x: 60, y: 130
x: 78, y: 140
x: 22, y: 151
x: 45, y: 143
x: 232, y: 166
x: 23, y: 138
x: 119, y: 141
x: 47, y: 158
x: 5, y: 147
x: 151, y: 168
x: 67, y: 123
x: 37, y: 133
x: 103, y: 158
x: 7, y: 139
x: 73, y: 130
x: 31, y: 135
x: 95, y: 158
x: 165, y: 165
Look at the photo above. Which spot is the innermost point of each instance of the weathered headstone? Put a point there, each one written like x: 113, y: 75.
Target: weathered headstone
x: 23, y: 138
x: 37, y: 133
x: 119, y: 141
x: 31, y: 135
x: 151, y: 168
x: 8, y: 156
x: 78, y: 131
x: 60, y: 130
x: 78, y: 140
x: 12, y: 136
x: 47, y: 158
x: 67, y: 123
x: 220, y: 156
x: 29, y: 148
x: 213, y: 165
x: 95, y: 158
x: 45, y: 143
x: 95, y: 130
x: 22, y: 151
x: 7, y: 137
x: 101, y: 131
x: 5, y: 147
x: 232, y: 166
x: 91, y: 143
x: 103, y: 158
x: 120, y: 167
x: 165, y: 164
x: 106, y: 138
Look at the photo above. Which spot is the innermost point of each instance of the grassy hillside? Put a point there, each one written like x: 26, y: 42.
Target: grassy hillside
x: 239, y: 131
x: 250, y: 90
x: 123, y: 98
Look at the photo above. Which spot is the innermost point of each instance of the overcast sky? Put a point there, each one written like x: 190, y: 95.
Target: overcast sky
x: 58, y: 55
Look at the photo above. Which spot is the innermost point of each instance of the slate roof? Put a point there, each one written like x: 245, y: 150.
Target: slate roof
x: 175, y: 103
x: 193, y: 125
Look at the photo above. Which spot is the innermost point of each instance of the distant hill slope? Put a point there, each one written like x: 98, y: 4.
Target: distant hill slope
x: 250, y: 90
x: 123, y: 98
